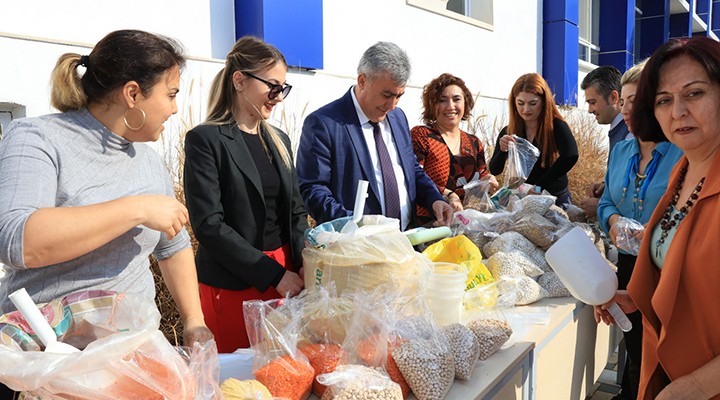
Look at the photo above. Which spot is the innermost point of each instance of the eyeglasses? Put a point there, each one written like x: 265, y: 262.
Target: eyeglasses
x: 275, y: 89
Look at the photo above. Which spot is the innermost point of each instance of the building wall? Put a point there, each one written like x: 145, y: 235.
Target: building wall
x: 35, y: 33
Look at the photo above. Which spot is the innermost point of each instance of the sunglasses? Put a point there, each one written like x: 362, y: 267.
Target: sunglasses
x: 275, y: 89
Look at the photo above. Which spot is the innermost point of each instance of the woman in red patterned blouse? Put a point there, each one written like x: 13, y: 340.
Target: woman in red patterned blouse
x: 450, y: 156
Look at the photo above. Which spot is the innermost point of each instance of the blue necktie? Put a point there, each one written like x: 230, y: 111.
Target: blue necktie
x: 392, y: 198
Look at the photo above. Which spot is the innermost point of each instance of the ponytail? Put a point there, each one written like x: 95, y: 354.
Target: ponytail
x: 66, y: 93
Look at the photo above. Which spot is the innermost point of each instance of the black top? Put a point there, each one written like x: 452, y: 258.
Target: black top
x: 273, y: 237
x: 553, y: 178
x: 226, y: 202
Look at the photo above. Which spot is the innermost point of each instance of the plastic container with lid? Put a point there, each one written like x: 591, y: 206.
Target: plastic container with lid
x: 444, y: 292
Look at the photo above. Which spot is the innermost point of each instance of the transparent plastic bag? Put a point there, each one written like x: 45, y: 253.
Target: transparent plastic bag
x: 124, y: 355
x: 522, y: 156
x: 368, y: 341
x: 273, y: 328
x: 325, y: 322
x: 628, y: 230
x: 421, y: 349
x: 464, y: 348
x: 491, y: 330
x: 477, y: 196
x: 234, y: 389
x: 358, y: 382
x: 374, y: 254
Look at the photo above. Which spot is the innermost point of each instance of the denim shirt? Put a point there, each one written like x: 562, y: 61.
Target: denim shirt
x: 613, y: 201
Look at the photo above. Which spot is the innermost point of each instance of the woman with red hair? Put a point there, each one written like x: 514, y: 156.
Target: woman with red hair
x: 535, y: 117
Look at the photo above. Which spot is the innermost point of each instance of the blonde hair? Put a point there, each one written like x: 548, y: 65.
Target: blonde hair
x: 249, y: 54
x: 632, y: 75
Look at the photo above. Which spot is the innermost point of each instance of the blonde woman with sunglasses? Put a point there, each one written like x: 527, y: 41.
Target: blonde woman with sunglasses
x: 241, y: 192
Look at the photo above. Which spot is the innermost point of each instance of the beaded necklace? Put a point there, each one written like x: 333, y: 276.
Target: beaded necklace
x: 668, y: 221
x: 642, y: 182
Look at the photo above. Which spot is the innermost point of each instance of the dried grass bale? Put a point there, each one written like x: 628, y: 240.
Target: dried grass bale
x: 491, y: 334
x: 554, y: 286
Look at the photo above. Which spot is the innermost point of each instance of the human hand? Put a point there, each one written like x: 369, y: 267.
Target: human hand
x: 596, y: 189
x: 623, y: 300
x: 290, y: 283
x: 614, y: 232
x: 493, y: 183
x: 589, y: 205
x: 454, y: 201
x: 504, y: 142
x: 443, y: 212
x: 163, y: 213
x: 195, y: 331
x: 683, y: 388
x: 641, y: 233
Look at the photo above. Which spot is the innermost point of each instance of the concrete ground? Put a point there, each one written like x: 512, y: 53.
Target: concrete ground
x: 606, y: 387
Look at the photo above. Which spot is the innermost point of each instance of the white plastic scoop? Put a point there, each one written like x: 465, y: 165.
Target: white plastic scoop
x: 29, y: 310
x: 358, y: 209
x: 585, y: 273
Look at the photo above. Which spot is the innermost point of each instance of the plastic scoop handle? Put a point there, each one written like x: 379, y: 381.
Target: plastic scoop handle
x: 621, y: 319
x: 29, y: 310
x: 360, y: 196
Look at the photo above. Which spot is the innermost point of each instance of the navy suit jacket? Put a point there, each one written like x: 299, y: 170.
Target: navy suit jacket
x: 617, y: 135
x: 333, y: 155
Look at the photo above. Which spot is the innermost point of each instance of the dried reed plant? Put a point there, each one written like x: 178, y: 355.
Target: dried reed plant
x: 172, y: 148
x: 592, y: 146
x: 592, y: 152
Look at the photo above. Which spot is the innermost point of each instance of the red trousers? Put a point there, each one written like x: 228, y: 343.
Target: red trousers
x: 223, y: 308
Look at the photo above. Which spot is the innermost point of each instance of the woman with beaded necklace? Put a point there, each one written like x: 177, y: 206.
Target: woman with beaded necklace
x: 675, y: 277
x: 636, y: 179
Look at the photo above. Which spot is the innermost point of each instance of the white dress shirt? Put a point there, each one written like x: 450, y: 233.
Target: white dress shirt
x: 394, y: 155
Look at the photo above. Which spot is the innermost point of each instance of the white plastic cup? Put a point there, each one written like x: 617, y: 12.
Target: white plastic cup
x: 444, y: 292
x: 585, y: 273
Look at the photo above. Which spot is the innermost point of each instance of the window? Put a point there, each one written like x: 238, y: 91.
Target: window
x: 475, y: 12
x: 8, y: 112
x: 589, y: 29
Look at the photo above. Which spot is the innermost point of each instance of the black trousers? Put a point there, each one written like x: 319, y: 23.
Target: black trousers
x: 633, y: 339
x: 7, y: 394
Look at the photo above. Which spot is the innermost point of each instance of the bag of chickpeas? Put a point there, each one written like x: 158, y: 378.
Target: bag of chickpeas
x: 420, y: 347
x: 358, y: 382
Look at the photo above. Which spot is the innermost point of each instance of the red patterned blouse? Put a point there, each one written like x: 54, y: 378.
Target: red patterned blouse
x: 448, y: 171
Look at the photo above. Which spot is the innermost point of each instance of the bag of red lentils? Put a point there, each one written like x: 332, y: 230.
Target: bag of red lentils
x: 273, y: 328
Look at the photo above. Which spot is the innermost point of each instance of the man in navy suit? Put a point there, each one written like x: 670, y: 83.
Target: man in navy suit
x: 362, y: 135
x: 602, y: 94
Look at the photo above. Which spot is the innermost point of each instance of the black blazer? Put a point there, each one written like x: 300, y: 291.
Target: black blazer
x: 224, y: 197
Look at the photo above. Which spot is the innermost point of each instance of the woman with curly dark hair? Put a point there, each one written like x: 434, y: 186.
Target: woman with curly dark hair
x: 450, y: 156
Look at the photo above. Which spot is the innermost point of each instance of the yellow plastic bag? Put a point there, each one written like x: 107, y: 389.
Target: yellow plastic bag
x: 462, y: 251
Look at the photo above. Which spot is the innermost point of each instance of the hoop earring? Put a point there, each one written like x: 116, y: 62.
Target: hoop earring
x: 134, y: 128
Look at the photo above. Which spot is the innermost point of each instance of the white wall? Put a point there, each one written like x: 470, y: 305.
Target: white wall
x: 34, y: 33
